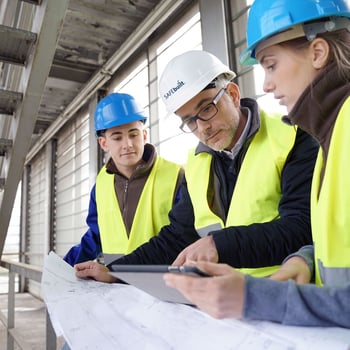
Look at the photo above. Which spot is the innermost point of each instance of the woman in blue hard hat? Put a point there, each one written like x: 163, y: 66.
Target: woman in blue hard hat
x: 304, y: 49
x: 134, y: 191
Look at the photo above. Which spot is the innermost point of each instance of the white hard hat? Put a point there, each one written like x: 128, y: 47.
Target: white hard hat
x: 187, y: 75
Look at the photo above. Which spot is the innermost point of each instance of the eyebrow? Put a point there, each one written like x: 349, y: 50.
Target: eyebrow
x: 261, y: 61
x: 264, y: 57
x: 198, y: 107
x: 119, y: 132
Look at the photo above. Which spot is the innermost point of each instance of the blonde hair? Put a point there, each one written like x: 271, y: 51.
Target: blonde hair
x: 339, y: 43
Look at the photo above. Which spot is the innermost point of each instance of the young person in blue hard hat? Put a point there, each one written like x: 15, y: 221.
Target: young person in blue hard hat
x: 134, y: 191
x: 304, y: 49
x: 246, y: 197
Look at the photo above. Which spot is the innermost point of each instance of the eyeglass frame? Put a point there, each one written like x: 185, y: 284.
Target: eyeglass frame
x: 194, y: 119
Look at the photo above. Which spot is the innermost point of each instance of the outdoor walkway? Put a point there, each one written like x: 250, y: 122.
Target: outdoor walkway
x: 30, y: 320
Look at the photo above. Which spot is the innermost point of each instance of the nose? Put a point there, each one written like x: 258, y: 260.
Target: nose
x: 203, y: 125
x: 268, y: 86
x: 127, y: 143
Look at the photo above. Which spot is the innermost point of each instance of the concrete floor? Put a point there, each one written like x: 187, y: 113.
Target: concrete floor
x: 30, y: 321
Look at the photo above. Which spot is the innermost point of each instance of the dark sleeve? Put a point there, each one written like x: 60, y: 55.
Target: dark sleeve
x: 298, y: 305
x: 90, y: 246
x: 172, y: 239
x: 267, y: 244
x: 177, y: 192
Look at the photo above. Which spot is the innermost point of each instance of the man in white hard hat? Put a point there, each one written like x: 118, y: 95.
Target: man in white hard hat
x: 245, y: 200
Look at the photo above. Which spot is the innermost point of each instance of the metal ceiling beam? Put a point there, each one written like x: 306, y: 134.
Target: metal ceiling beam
x: 70, y: 73
x: 9, y: 101
x: 132, y: 44
x: 15, y: 45
x: 34, y: 2
x: 5, y: 146
x: 47, y: 25
x: 63, y: 84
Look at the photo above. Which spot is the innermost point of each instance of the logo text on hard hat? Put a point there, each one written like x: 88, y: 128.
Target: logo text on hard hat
x: 173, y: 89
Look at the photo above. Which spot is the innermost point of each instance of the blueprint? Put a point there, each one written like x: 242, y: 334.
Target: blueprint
x: 94, y: 315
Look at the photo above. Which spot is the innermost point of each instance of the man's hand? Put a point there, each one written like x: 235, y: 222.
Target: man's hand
x: 221, y: 296
x: 202, y: 250
x: 294, y: 268
x: 92, y: 269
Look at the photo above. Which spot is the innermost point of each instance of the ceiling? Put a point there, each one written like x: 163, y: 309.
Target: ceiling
x: 54, y: 55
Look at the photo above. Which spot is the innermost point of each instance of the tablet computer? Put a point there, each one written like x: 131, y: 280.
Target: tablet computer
x: 149, y: 278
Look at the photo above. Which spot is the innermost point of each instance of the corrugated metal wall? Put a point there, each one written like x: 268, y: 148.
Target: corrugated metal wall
x: 36, y: 232
x: 72, y: 184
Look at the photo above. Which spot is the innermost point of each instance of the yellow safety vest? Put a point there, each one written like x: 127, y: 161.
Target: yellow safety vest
x: 151, y: 214
x: 258, y: 188
x: 330, y: 206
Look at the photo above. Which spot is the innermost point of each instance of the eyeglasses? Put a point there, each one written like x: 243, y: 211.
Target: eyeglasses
x: 205, y: 114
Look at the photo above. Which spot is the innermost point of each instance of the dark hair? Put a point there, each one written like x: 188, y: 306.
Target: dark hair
x: 100, y: 132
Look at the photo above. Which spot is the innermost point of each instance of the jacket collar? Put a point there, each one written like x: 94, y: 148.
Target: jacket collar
x: 149, y: 156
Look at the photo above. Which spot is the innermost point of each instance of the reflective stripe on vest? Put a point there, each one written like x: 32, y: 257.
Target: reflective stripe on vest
x: 330, y: 206
x: 151, y: 213
x: 258, y: 188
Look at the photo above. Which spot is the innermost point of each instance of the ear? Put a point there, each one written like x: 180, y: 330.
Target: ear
x: 320, y: 53
x: 102, y: 142
x: 144, y: 135
x: 232, y: 89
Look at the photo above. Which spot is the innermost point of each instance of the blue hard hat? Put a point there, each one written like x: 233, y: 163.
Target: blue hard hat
x: 117, y: 109
x: 269, y: 17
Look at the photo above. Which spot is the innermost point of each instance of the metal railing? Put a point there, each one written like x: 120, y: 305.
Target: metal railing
x: 13, y: 336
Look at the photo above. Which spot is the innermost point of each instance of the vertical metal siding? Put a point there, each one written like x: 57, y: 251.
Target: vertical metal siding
x: 237, y: 43
x: 34, y: 246
x: 187, y: 36
x: 72, y: 183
